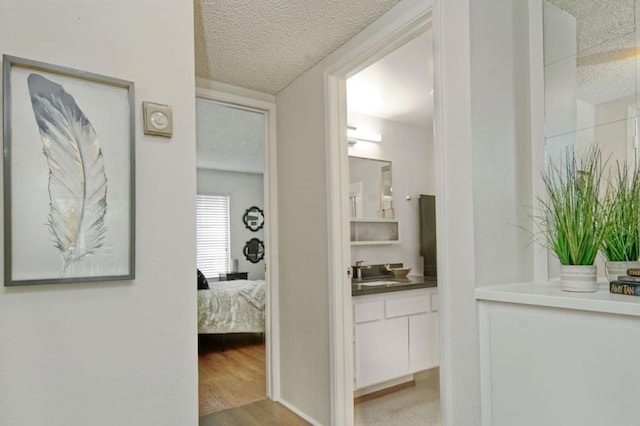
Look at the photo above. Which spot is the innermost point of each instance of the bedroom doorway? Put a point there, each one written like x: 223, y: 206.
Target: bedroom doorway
x: 235, y: 231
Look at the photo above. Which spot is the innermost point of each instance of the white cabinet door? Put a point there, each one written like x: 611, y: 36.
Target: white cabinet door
x: 381, y: 351
x: 423, y: 342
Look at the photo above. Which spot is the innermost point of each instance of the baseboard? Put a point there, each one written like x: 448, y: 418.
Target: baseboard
x: 384, y: 391
x: 379, y: 386
x: 299, y: 413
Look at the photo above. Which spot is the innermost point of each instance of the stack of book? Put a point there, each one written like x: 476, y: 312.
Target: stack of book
x: 627, y: 284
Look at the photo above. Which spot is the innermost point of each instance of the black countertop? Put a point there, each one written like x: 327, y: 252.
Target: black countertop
x: 409, y: 283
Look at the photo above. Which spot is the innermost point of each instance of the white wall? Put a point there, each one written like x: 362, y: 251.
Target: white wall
x: 613, y: 137
x: 560, y: 81
x: 463, y: 153
x: 410, y: 150
x: 460, y: 389
x: 245, y: 190
x: 121, y: 353
x: 501, y: 143
x: 586, y: 120
x: 604, y: 124
x: 502, y: 175
x: 304, y: 273
x: 483, y: 142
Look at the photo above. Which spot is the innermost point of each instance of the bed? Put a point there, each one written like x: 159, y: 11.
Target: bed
x: 232, y: 307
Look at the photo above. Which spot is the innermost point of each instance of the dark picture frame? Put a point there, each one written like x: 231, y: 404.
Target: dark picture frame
x: 253, y: 218
x: 69, y: 175
x: 253, y: 250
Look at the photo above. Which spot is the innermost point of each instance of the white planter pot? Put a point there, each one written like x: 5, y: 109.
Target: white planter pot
x: 579, y: 278
x: 616, y: 268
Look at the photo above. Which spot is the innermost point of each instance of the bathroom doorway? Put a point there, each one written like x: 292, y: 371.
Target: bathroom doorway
x: 345, y: 229
x: 392, y: 183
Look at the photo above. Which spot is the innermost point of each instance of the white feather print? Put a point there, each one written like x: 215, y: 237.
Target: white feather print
x: 77, y: 177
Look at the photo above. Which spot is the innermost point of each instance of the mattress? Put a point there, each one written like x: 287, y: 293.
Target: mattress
x: 232, y: 307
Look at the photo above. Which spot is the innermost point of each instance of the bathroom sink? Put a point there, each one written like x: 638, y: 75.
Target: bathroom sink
x: 374, y: 283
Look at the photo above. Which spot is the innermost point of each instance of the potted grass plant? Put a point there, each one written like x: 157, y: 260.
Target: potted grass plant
x: 621, y: 240
x: 573, y: 217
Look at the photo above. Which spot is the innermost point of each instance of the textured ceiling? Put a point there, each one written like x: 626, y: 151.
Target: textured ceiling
x: 228, y: 138
x: 397, y: 86
x: 266, y: 44
x: 606, y: 44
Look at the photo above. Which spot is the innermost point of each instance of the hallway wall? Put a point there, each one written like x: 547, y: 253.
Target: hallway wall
x: 468, y: 255
x: 114, y: 353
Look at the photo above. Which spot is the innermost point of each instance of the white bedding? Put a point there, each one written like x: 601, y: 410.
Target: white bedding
x: 232, y: 307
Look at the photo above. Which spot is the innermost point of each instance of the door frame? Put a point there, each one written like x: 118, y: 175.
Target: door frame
x: 382, y: 41
x: 265, y: 104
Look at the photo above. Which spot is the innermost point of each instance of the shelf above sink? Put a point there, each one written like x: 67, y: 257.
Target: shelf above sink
x: 374, y: 231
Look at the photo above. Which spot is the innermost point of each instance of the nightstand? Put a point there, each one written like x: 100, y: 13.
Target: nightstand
x: 230, y: 276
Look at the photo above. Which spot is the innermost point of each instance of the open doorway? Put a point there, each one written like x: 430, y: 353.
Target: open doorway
x: 234, y: 245
x: 345, y: 315
x: 392, y: 241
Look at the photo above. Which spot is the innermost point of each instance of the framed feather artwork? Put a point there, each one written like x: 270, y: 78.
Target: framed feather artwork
x: 69, y: 175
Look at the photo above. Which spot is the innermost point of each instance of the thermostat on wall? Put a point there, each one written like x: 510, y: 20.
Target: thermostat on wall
x: 158, y: 119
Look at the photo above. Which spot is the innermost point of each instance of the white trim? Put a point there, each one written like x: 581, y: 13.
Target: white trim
x: 384, y: 385
x: 441, y: 217
x: 290, y: 407
x: 402, y: 23
x: 240, y: 101
x: 227, y: 89
x: 340, y: 315
x: 536, y: 95
x: 272, y: 335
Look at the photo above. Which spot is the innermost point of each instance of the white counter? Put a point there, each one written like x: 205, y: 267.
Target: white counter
x: 549, y: 357
x: 549, y: 294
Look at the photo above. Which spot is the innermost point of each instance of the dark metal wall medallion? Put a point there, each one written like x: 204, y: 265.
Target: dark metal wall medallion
x: 253, y: 218
x: 254, y: 250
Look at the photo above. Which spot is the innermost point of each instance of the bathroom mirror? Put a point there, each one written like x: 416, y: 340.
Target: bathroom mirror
x: 590, y: 75
x: 370, y: 188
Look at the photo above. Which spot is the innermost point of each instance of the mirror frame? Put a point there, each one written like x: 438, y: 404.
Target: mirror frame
x: 253, y: 257
x: 249, y: 224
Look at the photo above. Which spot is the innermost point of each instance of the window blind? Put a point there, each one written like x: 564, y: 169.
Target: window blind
x: 212, y: 234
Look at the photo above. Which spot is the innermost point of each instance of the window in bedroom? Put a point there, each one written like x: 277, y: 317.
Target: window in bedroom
x: 212, y: 234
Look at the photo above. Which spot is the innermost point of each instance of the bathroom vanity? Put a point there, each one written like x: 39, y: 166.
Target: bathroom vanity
x: 395, y: 321
x: 395, y: 333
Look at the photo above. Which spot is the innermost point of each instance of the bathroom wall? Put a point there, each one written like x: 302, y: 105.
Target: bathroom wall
x: 410, y: 150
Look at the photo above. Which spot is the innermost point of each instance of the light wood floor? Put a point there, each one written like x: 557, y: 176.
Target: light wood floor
x: 231, y: 377
x: 259, y: 413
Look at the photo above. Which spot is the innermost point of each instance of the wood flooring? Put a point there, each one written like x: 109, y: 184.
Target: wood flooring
x: 259, y: 413
x: 231, y: 375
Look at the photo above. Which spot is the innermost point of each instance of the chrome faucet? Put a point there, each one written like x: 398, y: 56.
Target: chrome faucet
x: 359, y: 266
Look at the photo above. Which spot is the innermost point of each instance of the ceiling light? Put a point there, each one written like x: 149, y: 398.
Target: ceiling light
x: 355, y: 134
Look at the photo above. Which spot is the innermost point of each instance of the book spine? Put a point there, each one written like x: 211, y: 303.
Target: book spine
x: 634, y: 272
x: 629, y: 278
x: 628, y: 288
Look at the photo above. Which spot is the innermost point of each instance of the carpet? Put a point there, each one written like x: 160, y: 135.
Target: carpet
x: 419, y: 405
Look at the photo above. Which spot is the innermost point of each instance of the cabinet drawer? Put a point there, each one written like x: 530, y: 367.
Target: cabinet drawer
x: 406, y: 306
x: 381, y: 351
x: 368, y: 311
x: 434, y: 303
